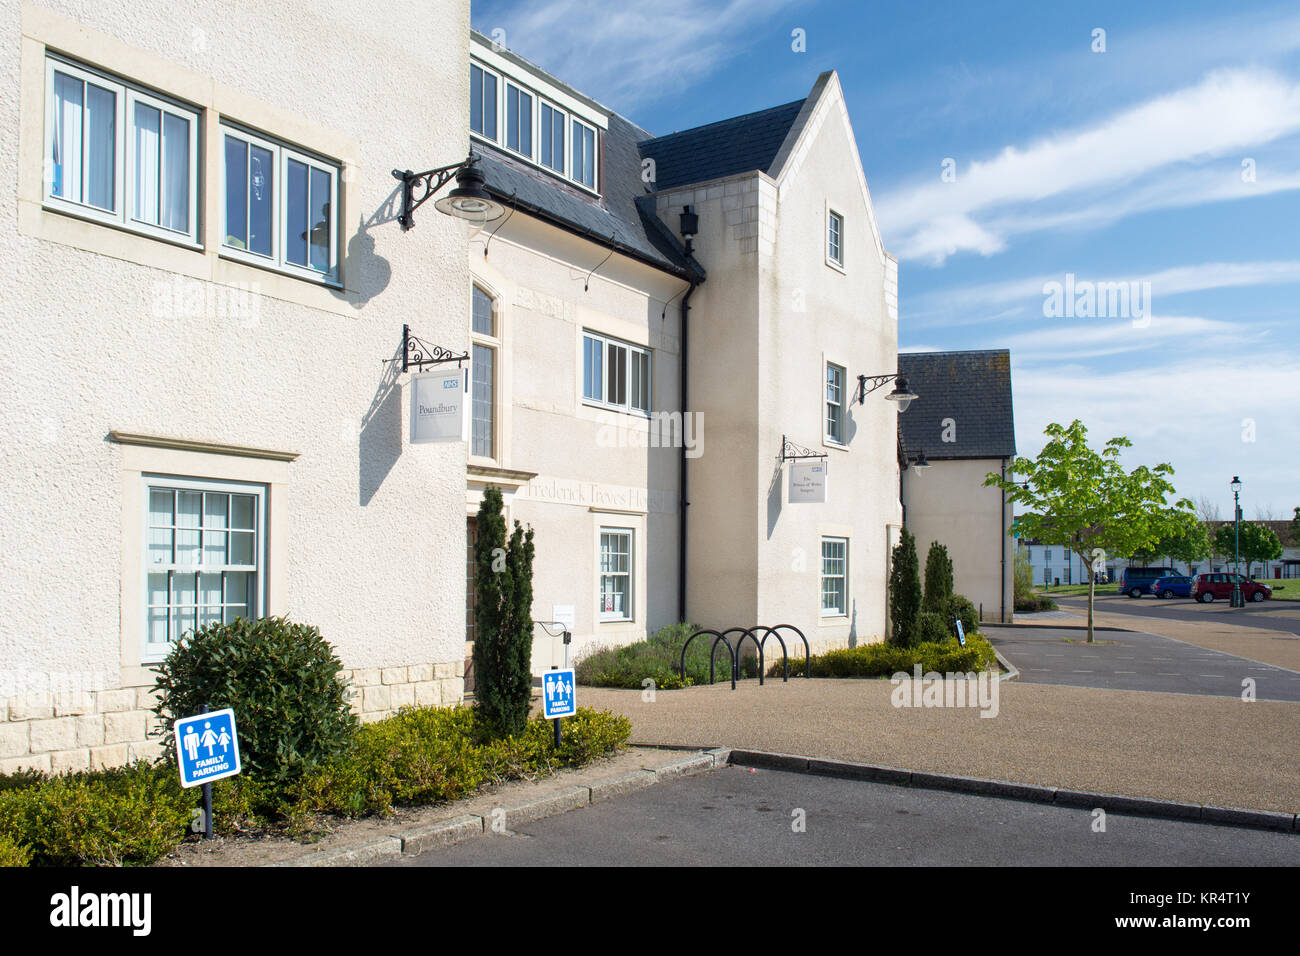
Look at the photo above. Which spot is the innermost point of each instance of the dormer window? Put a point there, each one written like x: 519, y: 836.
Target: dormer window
x: 552, y: 129
x: 482, y: 101
x: 584, y: 154
x: 519, y: 120
x: 534, y: 117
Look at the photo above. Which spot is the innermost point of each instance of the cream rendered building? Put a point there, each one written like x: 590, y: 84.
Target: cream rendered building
x: 203, y: 278
x: 963, y: 424
x: 589, y: 295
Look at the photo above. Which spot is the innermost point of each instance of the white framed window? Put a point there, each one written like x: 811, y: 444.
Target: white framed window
x: 205, y: 556
x: 616, y: 374
x: 483, y: 101
x: 835, y: 577
x: 583, y: 169
x: 483, y: 375
x: 616, y: 574
x: 835, y: 238
x: 519, y: 120
x: 550, y: 133
x: 119, y: 154
x: 834, y: 403
x: 279, y: 206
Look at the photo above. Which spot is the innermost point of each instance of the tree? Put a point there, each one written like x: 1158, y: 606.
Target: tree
x: 1295, y: 528
x: 1208, y: 511
x: 904, y: 591
x: 503, y: 642
x: 1258, y: 542
x: 1186, y: 541
x: 938, y: 579
x: 1087, y: 500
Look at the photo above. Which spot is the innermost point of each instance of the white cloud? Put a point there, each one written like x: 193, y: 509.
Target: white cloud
x: 1190, y: 413
x: 954, y: 307
x: 626, y: 54
x: 1229, y: 111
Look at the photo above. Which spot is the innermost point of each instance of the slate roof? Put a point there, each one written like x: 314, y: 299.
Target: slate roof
x: 971, y: 388
x: 613, y: 219
x: 622, y: 217
x: 737, y: 145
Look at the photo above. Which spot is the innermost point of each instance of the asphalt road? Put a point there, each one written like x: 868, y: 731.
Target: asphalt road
x: 1130, y: 660
x: 735, y: 817
x: 1271, y: 615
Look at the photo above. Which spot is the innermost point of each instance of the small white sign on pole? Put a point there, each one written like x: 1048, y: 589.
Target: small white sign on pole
x: 440, y: 406
x: 808, y: 481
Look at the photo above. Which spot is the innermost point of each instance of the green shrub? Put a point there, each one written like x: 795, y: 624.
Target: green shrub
x: 961, y: 607
x: 127, y: 815
x: 885, y: 659
x: 938, y: 579
x: 904, y: 591
x: 659, y: 657
x: 20, y: 779
x: 1035, y: 603
x: 13, y: 854
x: 932, y: 628
x: 503, y: 643
x: 280, y: 678
x: 428, y: 755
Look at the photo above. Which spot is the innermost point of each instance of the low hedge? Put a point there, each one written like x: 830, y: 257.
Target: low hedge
x: 126, y: 815
x: 13, y: 854
x: 421, y: 755
x: 658, y: 658
x: 885, y: 659
x: 1036, y: 603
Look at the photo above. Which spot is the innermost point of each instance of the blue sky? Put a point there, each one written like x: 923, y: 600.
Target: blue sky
x: 1172, y: 158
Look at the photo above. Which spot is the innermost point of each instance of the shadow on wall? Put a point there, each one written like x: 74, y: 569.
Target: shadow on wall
x: 373, y: 272
x: 380, y: 444
x: 774, y: 498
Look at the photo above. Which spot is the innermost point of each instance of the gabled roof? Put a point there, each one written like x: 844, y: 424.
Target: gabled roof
x: 614, y: 219
x: 973, y: 389
x: 737, y: 145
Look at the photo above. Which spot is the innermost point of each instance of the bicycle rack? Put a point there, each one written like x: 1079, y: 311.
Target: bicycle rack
x: 734, y: 652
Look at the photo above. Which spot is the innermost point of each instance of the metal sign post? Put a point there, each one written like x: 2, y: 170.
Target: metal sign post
x: 207, y: 749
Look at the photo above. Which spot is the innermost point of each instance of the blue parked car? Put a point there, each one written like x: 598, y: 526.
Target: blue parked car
x: 1136, y: 582
x: 1175, y: 585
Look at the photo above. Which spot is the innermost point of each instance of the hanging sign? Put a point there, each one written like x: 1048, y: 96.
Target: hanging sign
x: 808, y: 481
x: 440, y: 406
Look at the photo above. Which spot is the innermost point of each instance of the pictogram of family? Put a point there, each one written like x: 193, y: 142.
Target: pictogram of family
x: 210, y: 739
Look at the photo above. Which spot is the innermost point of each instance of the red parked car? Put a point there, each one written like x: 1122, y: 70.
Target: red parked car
x: 1218, y: 586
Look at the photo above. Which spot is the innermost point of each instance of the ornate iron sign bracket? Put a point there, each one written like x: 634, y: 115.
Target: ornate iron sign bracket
x: 792, y: 452
x: 419, y: 353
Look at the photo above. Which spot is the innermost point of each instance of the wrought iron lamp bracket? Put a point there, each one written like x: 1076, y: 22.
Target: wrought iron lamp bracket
x: 877, y: 381
x: 428, y: 183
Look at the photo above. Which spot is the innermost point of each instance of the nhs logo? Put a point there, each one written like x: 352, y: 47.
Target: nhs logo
x: 450, y: 383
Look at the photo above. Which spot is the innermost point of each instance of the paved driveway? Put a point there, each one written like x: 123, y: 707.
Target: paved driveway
x: 732, y: 817
x: 1270, y: 615
x: 1130, y: 660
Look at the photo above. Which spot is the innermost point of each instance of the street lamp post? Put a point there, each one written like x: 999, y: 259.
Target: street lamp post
x: 1236, y: 542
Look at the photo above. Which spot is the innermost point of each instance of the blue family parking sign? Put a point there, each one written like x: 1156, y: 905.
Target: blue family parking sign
x: 207, y: 747
x: 558, y: 694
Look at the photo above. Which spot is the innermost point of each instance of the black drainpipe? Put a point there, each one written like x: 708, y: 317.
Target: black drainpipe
x: 684, y: 502
x: 1002, y: 581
